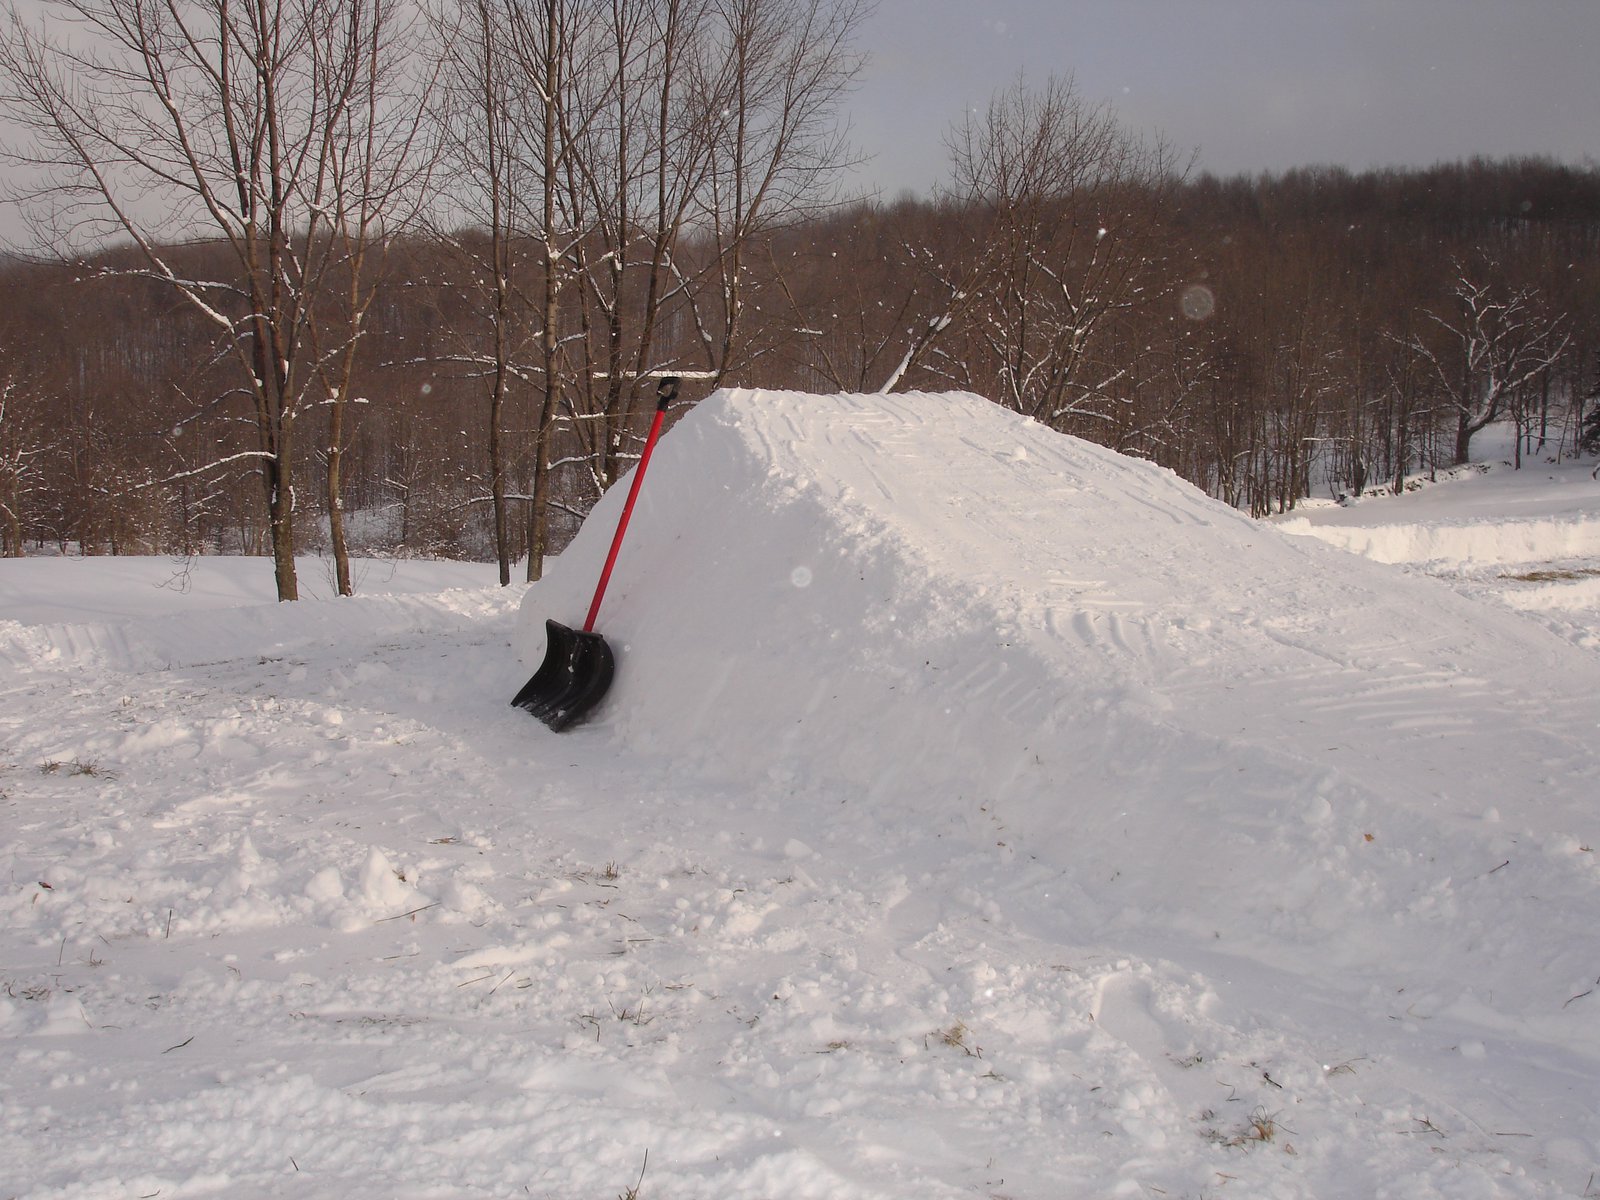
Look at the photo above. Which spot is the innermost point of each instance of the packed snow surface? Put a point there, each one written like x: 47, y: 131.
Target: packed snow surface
x: 975, y: 813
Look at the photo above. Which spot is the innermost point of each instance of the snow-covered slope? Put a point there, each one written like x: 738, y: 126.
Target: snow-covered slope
x: 976, y: 813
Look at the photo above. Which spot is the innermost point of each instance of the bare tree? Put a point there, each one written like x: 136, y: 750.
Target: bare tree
x: 24, y: 444
x: 1069, y: 203
x: 868, y: 289
x: 281, y: 128
x: 557, y: 55
x: 774, y: 76
x: 478, y: 118
x: 1490, y: 344
x: 702, y: 126
x: 376, y: 165
x: 622, y: 160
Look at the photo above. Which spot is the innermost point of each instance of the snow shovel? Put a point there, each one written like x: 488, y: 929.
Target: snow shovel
x: 578, y: 665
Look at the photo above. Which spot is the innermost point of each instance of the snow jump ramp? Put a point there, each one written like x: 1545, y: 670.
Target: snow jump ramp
x: 929, y: 599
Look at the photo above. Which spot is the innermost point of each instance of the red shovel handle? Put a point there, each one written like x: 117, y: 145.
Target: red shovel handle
x: 666, y: 392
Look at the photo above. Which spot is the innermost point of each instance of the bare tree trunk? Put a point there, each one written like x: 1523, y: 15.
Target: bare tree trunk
x: 280, y: 130
x: 550, y: 158
x: 496, y: 154
x: 335, y: 468
x: 277, y: 477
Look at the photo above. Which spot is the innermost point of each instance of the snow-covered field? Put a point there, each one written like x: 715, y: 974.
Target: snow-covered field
x: 1529, y: 538
x: 975, y: 814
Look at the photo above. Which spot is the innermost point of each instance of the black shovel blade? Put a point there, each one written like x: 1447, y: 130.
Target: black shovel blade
x: 572, y: 679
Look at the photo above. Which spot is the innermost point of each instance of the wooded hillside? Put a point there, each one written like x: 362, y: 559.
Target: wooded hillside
x: 1315, y: 331
x: 413, y: 296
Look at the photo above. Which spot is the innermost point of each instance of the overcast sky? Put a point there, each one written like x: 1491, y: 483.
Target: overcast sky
x: 1250, y: 85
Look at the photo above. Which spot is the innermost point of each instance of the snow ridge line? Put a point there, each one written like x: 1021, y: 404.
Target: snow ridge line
x: 1479, y: 542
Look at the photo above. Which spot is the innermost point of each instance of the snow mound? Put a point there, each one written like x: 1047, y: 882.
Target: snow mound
x: 953, y: 616
x: 811, y: 572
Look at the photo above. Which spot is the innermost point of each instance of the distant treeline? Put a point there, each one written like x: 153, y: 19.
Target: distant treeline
x: 1268, y: 338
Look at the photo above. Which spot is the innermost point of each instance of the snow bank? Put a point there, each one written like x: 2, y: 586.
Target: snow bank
x: 1497, y: 542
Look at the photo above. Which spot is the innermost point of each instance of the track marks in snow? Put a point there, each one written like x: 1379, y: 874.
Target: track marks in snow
x: 1172, y: 1091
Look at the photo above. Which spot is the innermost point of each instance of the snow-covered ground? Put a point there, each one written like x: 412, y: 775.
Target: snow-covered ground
x: 976, y: 813
x: 1529, y: 538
